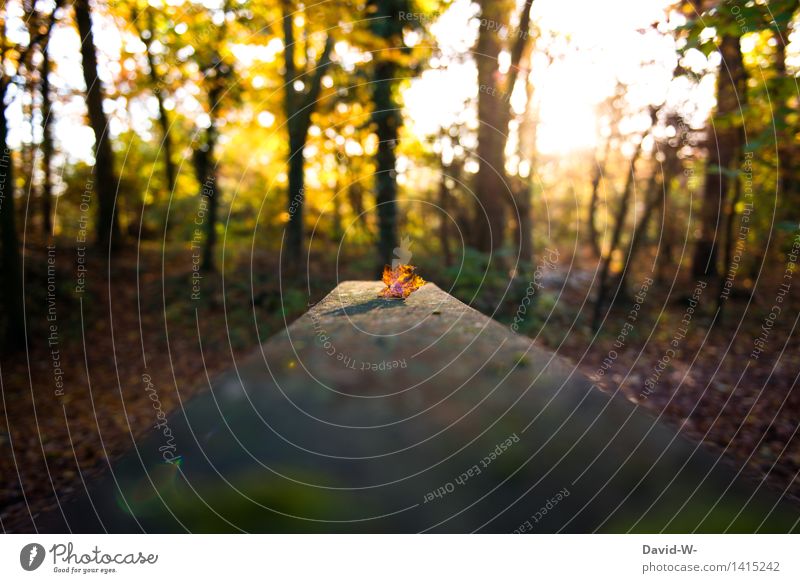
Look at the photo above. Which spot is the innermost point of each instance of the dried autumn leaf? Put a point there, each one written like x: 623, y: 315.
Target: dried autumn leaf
x: 400, y: 282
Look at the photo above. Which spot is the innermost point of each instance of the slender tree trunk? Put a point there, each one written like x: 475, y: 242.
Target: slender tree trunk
x: 724, y: 141
x: 13, y: 300
x: 206, y: 174
x: 656, y: 194
x: 664, y: 260
x: 297, y: 191
x: 444, y: 218
x: 788, y: 179
x: 336, y: 213
x: 619, y: 223
x: 523, y: 193
x: 355, y: 195
x: 205, y: 166
x: 522, y: 198
x: 47, y: 142
x: 594, y: 200
x: 730, y: 220
x: 108, y: 231
x: 170, y: 170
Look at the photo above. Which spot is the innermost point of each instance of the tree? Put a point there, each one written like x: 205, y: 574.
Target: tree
x: 146, y: 30
x: 494, y: 113
x: 386, y: 24
x: 106, y: 182
x: 724, y: 139
x: 211, y: 56
x: 12, y: 58
x: 613, y: 109
x: 47, y: 139
x: 302, y: 89
x: 619, y: 224
x: 785, y: 91
x: 13, y: 299
x: 666, y: 166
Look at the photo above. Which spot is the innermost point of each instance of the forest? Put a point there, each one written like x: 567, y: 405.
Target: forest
x: 182, y: 179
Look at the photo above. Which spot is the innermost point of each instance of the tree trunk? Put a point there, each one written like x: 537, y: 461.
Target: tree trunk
x: 656, y: 193
x: 491, y: 182
x: 724, y: 142
x: 294, y: 230
x: 619, y: 223
x: 729, y: 238
x: 108, y: 232
x: 444, y: 218
x: 47, y: 142
x: 387, y: 120
x: 206, y: 174
x: 13, y: 300
x: 298, y: 108
x: 788, y: 179
x: 492, y: 189
x: 205, y: 165
x: 170, y: 170
x: 522, y: 198
x: 594, y: 199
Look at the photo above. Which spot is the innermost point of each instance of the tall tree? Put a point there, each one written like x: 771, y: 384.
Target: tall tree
x: 785, y: 94
x: 604, y: 279
x: 387, y: 25
x: 47, y: 139
x: 13, y: 59
x: 302, y: 92
x: 494, y: 114
x: 724, y: 139
x: 613, y: 110
x: 146, y: 28
x: 13, y: 301
x: 106, y: 182
x: 212, y: 55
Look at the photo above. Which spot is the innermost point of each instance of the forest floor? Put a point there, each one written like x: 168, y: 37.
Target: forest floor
x: 103, y: 359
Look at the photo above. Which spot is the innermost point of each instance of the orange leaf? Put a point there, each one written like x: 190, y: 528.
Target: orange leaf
x: 400, y: 282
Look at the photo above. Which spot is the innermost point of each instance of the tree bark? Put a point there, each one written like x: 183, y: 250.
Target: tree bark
x: 13, y: 299
x: 298, y: 108
x: 108, y: 231
x: 724, y: 142
x: 205, y: 166
x: 492, y: 188
x: 47, y: 142
x: 594, y: 199
x: 657, y: 192
x: 444, y: 217
x: 206, y: 174
x: 788, y: 179
x: 170, y: 170
x: 491, y: 182
x: 387, y: 120
x: 619, y: 223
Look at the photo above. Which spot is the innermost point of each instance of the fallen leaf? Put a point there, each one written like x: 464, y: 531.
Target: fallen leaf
x: 400, y: 282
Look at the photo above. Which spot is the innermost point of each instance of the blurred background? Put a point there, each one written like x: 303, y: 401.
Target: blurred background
x: 179, y: 180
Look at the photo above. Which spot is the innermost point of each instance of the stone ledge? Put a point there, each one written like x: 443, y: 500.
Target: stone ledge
x: 372, y: 415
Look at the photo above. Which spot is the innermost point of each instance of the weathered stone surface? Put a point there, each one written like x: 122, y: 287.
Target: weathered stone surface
x: 418, y: 415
